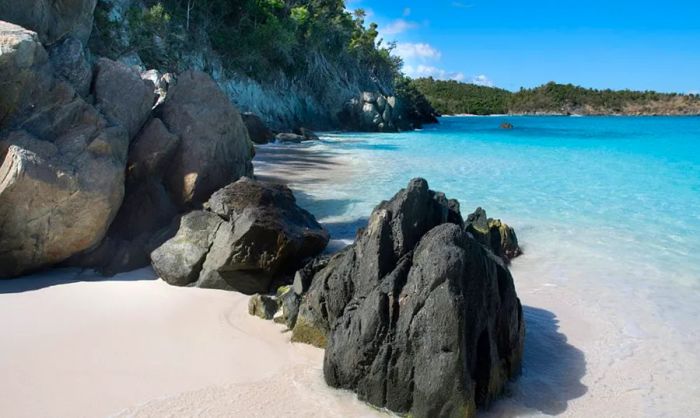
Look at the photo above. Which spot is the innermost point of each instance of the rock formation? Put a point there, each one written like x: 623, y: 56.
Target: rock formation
x: 215, y: 148
x: 416, y: 316
x: 374, y: 112
x: 251, y: 234
x: 52, y: 20
x: 62, y: 162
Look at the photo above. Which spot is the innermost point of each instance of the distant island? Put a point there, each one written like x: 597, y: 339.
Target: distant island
x: 453, y: 98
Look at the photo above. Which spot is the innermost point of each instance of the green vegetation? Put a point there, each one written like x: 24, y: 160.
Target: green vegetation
x: 452, y: 97
x: 263, y: 39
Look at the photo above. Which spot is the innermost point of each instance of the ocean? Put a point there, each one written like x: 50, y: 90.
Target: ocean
x: 607, y: 210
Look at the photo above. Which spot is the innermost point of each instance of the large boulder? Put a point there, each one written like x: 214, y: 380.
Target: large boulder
x: 393, y: 230
x: 122, y: 95
x: 416, y: 316
x: 61, y: 163
x: 255, y: 233
x: 215, y: 148
x: 147, y: 209
x: 494, y: 234
x: 51, y: 19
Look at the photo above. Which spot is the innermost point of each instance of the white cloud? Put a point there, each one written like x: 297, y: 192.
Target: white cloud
x: 421, y: 51
x: 431, y: 71
x: 482, y: 80
x: 398, y: 26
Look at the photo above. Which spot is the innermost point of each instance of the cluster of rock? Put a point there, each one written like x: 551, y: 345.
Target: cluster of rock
x: 419, y: 315
x: 261, y: 134
x: 249, y: 235
x: 97, y: 159
x: 374, y: 112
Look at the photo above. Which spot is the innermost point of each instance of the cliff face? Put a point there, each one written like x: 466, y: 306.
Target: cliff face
x: 303, y: 81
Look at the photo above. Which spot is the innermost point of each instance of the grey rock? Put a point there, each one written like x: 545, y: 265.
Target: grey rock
x: 69, y: 61
x: 308, y: 134
x: 268, y: 235
x: 261, y: 235
x: 304, y: 276
x: 122, y: 95
x: 179, y: 260
x: 290, y: 308
x: 290, y: 137
x: 51, y: 19
x: 214, y: 150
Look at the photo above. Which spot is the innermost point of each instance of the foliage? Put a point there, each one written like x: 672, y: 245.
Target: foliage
x: 452, y: 97
x: 418, y: 106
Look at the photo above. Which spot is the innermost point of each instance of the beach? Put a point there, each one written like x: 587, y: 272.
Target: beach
x: 76, y: 344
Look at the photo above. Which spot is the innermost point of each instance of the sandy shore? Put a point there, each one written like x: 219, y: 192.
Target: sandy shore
x: 76, y: 345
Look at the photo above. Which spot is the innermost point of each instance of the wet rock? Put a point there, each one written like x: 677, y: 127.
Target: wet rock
x: 290, y: 137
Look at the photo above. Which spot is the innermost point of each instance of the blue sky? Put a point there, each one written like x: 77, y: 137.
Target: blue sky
x: 603, y: 44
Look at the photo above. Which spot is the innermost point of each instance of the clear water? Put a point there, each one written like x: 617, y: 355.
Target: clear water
x: 606, y: 209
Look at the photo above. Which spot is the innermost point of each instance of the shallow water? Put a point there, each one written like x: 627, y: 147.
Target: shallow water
x: 608, y: 213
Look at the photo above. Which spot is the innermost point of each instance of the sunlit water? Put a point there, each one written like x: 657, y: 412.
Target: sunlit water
x: 608, y: 213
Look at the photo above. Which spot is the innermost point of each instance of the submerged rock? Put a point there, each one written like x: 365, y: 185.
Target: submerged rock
x: 416, y: 316
x: 254, y: 233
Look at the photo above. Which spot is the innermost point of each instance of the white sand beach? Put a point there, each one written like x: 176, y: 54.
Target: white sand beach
x: 78, y: 345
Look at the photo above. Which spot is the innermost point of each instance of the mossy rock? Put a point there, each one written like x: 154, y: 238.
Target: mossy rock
x: 307, y: 333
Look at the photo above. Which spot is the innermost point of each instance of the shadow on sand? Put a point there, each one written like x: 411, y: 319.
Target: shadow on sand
x: 60, y: 276
x: 552, y: 371
x: 291, y: 164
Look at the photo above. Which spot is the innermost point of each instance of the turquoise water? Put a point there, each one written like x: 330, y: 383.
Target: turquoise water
x: 607, y: 210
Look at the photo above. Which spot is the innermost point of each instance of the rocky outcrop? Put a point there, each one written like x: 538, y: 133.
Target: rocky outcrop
x: 494, y: 234
x: 122, y: 95
x: 374, y: 112
x: 416, y: 316
x: 253, y: 234
x: 257, y: 130
x: 215, y: 148
x: 62, y: 163
x: 53, y: 20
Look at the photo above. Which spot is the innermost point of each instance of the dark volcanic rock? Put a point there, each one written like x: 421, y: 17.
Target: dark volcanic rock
x: 416, y: 316
x: 394, y: 228
x: 494, y: 234
x: 258, y: 131
x: 262, y: 235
